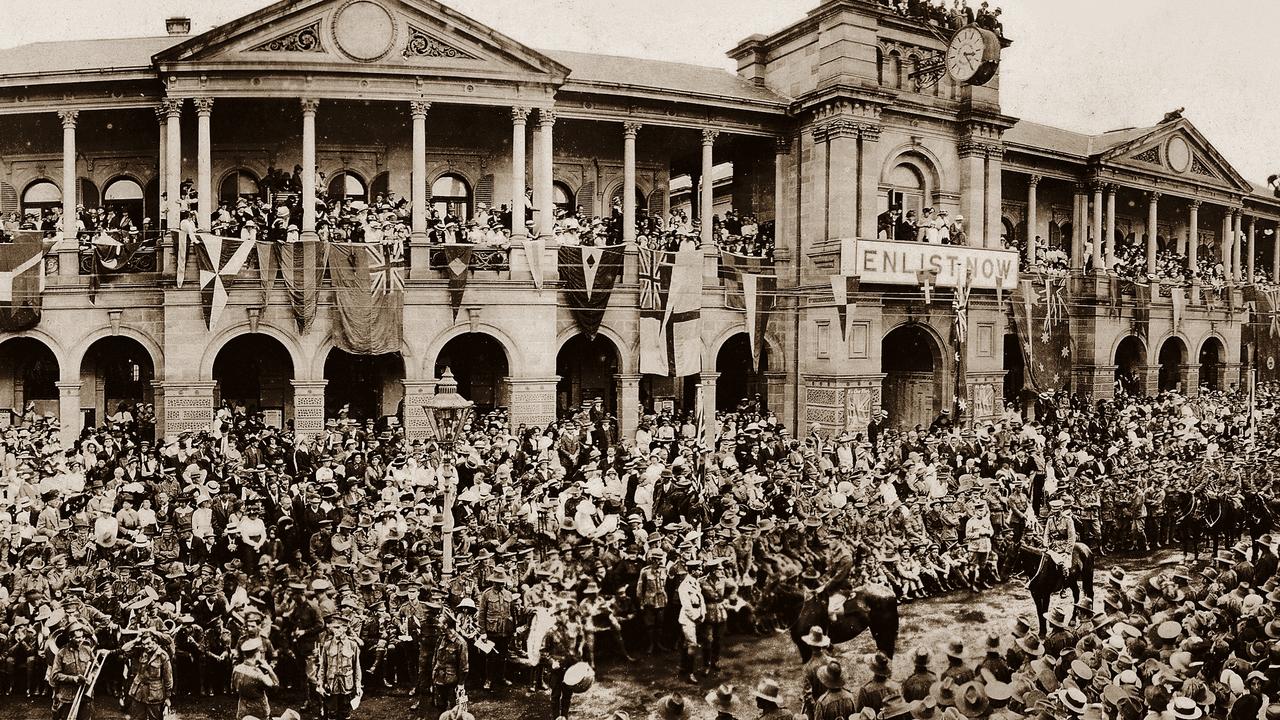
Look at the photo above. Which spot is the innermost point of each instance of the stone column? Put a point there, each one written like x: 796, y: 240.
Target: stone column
x: 308, y: 405
x: 162, y: 170
x: 1224, y: 244
x: 708, y: 429
x: 706, y: 206
x: 1190, y: 377
x: 1033, y: 184
x: 628, y: 406
x: 417, y: 393
x: 1078, y: 228
x: 973, y: 191
x: 1250, y: 250
x: 1095, y: 227
x: 781, y: 148
x: 69, y: 183
x: 533, y: 400
x: 519, y: 118
x: 173, y: 167
x: 418, y: 202
x: 1110, y: 232
x: 542, y: 192
x: 188, y: 406
x: 629, y: 131
x: 1236, y: 267
x: 1275, y: 254
x: 994, y: 169
x: 309, y: 107
x: 68, y: 412
x: 1153, y: 248
x: 204, y: 161
x: 1193, y: 247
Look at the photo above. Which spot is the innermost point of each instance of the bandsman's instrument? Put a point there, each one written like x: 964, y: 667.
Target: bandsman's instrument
x: 90, y: 679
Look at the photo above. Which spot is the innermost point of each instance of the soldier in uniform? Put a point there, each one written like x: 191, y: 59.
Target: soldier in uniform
x: 1060, y: 636
x: 452, y: 661
x: 691, y: 612
x: 651, y: 595
x: 1060, y: 535
x: 715, y: 594
x: 68, y: 674
x: 152, y: 683
x: 497, y: 618
x: 918, y: 684
x: 339, y: 676
x: 251, y: 678
x: 562, y: 647
x: 428, y: 636
x: 818, y: 643
x: 873, y: 693
x: 1089, y: 505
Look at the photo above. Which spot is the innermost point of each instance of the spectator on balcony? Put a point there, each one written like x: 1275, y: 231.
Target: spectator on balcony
x: 887, y: 224
x: 907, y: 227
x: 957, y: 233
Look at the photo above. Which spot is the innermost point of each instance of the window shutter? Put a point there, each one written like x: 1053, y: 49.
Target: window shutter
x: 484, y: 190
x: 586, y: 197
x: 657, y: 203
x: 8, y: 198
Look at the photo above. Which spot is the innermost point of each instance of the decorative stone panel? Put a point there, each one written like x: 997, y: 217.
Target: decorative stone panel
x: 308, y: 407
x: 188, y: 407
x: 533, y: 401
x: 417, y: 393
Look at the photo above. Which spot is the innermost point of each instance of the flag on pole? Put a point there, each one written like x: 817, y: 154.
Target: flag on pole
x: 960, y: 344
x: 681, y: 322
x: 218, y: 258
x: 655, y: 280
x: 22, y: 280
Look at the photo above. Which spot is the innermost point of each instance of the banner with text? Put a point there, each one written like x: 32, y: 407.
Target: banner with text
x: 897, y: 263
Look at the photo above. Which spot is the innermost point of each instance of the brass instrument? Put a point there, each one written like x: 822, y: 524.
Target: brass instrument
x: 91, y: 679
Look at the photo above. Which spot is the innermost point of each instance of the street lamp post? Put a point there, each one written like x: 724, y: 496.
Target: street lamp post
x: 448, y: 412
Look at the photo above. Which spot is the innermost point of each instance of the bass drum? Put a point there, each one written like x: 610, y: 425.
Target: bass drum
x: 579, y: 677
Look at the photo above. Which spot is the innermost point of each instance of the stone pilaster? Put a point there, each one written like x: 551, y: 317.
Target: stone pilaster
x: 1190, y: 377
x: 308, y: 407
x: 1151, y: 381
x: 69, y: 412
x: 708, y: 381
x: 628, y: 406
x: 533, y: 400
x: 417, y: 393
x: 188, y: 406
x: 1096, y: 382
x: 776, y: 392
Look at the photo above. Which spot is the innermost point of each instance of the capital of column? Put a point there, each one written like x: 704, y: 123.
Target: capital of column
x: 708, y: 378
x: 630, y: 129
x: 1097, y: 187
x: 309, y: 106
x: 1236, y: 213
x: 871, y: 133
x: 709, y: 136
x: 781, y: 145
x: 1034, y: 180
x: 1110, y: 189
x: 1154, y: 196
x: 1195, y: 204
x: 546, y: 118
x: 627, y: 380
x: 68, y: 389
x: 309, y: 387
x: 68, y: 117
x: 519, y: 115
x: 172, y: 107
x: 203, y: 105
x: 162, y: 114
x: 1082, y: 188
x: 419, y: 108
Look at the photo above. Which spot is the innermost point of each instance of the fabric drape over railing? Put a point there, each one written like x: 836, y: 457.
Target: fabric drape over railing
x: 588, y: 274
x: 368, y: 316
x: 1040, y: 310
x: 22, y: 280
x: 751, y: 285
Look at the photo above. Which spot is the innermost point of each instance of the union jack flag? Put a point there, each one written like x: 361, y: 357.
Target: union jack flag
x: 650, y: 281
x: 386, y: 275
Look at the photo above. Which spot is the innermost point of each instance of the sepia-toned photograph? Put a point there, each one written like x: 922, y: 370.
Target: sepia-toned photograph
x: 639, y: 360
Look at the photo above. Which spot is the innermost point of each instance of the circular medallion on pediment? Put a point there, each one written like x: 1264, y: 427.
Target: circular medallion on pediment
x: 1178, y: 155
x: 364, y: 30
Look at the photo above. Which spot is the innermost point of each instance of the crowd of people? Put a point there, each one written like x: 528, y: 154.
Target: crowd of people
x: 246, y: 559
x: 958, y: 15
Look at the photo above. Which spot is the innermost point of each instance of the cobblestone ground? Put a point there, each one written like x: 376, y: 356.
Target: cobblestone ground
x: 634, y: 687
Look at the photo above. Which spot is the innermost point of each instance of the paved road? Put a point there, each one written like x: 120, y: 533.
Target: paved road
x: 635, y: 686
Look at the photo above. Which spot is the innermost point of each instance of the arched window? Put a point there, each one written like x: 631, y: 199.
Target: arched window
x: 40, y: 196
x: 642, y: 202
x: 381, y: 185
x: 238, y: 184
x: 451, y: 194
x: 88, y: 194
x: 348, y: 186
x: 562, y: 196
x: 906, y: 190
x: 125, y: 194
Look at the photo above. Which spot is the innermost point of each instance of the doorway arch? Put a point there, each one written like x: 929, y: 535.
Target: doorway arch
x: 29, y: 373
x: 370, y: 386
x: 116, y: 370
x: 1173, y: 355
x: 587, y: 367
x: 1131, y: 365
x: 480, y: 365
x: 915, y: 376
x: 1213, y: 369
x: 253, y: 371
x: 739, y: 379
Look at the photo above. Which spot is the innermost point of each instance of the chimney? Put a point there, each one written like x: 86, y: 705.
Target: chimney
x: 178, y: 25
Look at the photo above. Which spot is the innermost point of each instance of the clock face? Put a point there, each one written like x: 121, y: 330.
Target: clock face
x: 966, y: 54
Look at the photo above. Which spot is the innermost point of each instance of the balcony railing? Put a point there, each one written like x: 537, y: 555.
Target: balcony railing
x: 142, y: 259
x: 482, y: 258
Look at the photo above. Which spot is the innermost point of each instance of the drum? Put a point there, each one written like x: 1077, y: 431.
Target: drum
x: 579, y: 677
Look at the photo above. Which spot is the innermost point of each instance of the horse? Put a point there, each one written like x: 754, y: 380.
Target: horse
x: 1047, y: 578
x: 870, y: 606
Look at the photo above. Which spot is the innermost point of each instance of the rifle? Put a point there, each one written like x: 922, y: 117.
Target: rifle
x: 90, y: 679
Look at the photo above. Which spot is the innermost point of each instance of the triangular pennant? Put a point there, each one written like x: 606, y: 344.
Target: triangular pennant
x: 458, y: 263
x: 590, y: 264
x: 1178, y: 296
x: 533, y: 251
x: 840, y: 294
x: 266, y: 269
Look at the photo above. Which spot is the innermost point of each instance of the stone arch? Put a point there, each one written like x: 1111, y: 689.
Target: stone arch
x: 777, y: 358
x: 922, y: 160
x: 321, y: 355
x: 614, y: 186
x: 515, y: 360
x: 914, y: 392
x: 470, y: 178
x: 215, y: 345
x: 76, y: 358
x: 54, y: 346
x: 241, y: 168
x: 626, y: 351
x: 1213, y: 335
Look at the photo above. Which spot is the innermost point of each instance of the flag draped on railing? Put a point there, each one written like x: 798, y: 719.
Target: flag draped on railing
x: 960, y: 345
x: 112, y: 251
x: 587, y: 274
x: 670, y: 312
x: 654, y: 268
x: 302, y: 266
x: 218, y: 258
x: 368, y: 301
x: 22, y: 280
x: 1044, y: 330
x: 751, y: 285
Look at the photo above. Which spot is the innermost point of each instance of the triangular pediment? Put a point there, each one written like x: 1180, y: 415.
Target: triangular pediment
x: 1178, y: 150
x: 373, y: 34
